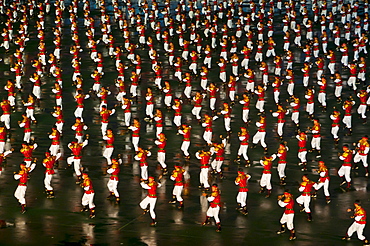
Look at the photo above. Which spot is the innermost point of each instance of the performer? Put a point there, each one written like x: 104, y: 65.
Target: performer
x: 204, y: 157
x: 287, y: 201
x: 79, y: 127
x: 316, y: 137
x: 243, y: 148
x: 345, y: 170
x: 305, y: 198
x: 241, y: 199
x: 282, y: 153
x: 323, y: 181
x: 88, y: 196
x: 335, y: 117
x: 109, y: 147
x: 362, y: 153
x: 112, y: 184
x: 347, y: 119
x: 135, y: 128
x: 151, y: 198
x: 214, y: 208
x: 265, y: 181
x: 161, y: 155
x: 178, y: 177
x: 261, y: 133
x: 26, y: 150
x: 359, y: 214
x: 185, y: 131
x: 22, y: 176
x: 49, y: 163
x: 216, y: 164
x: 76, y: 149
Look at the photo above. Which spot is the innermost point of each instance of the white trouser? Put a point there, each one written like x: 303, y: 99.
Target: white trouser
x: 315, y: 143
x: 242, y: 198
x: 346, y: 172
x: 6, y: 119
x: 288, y: 219
x: 112, y: 186
x: 361, y: 110
x: 20, y: 194
x: 76, y: 164
x: 356, y: 227
x: 325, y: 184
x: 334, y: 131
x: 213, y: 212
x: 245, y: 115
x: 243, y: 151
x: 127, y: 118
x: 78, y: 113
x: 54, y: 149
x: 135, y: 143
x: 203, y: 177
x: 29, y: 113
x: 347, y: 120
x: 184, y: 147
x: 107, y: 154
x: 196, y: 112
x: 305, y: 201
x: 47, y: 181
x: 260, y: 136
x: 161, y: 158
x: 266, y: 181
x: 144, y: 172
x: 281, y: 170
x: 88, y: 199
x: 362, y: 158
x: 302, y: 156
x: 177, y: 190
x: 216, y: 165
x: 151, y: 202
x: 207, y: 136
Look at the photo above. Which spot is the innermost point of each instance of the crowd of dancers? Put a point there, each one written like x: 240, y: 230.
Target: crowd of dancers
x: 187, y: 43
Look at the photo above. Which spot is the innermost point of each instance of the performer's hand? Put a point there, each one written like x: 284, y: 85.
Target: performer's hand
x: 349, y: 210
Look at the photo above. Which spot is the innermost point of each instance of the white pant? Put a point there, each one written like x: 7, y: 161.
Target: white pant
x: 161, y: 158
x: 359, y: 158
x: 20, y: 194
x: 356, y: 227
x: 315, y: 143
x: 203, y: 177
x: 288, y: 219
x: 334, y: 131
x: 47, y: 181
x: 6, y: 119
x: 346, y: 172
x: 213, y: 212
x: 281, y: 170
x: 88, y: 199
x: 112, y: 186
x: 177, y: 190
x: 266, y: 181
x: 151, y: 202
x: 144, y: 172
x: 196, y: 112
x: 325, y: 184
x: 207, y: 136
x: 305, y: 201
x: 242, y: 198
x: 135, y: 142
x: 184, y: 147
x: 347, y: 120
x: 243, y: 151
x: 260, y: 136
x: 107, y: 154
x: 54, y: 149
x: 76, y: 164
